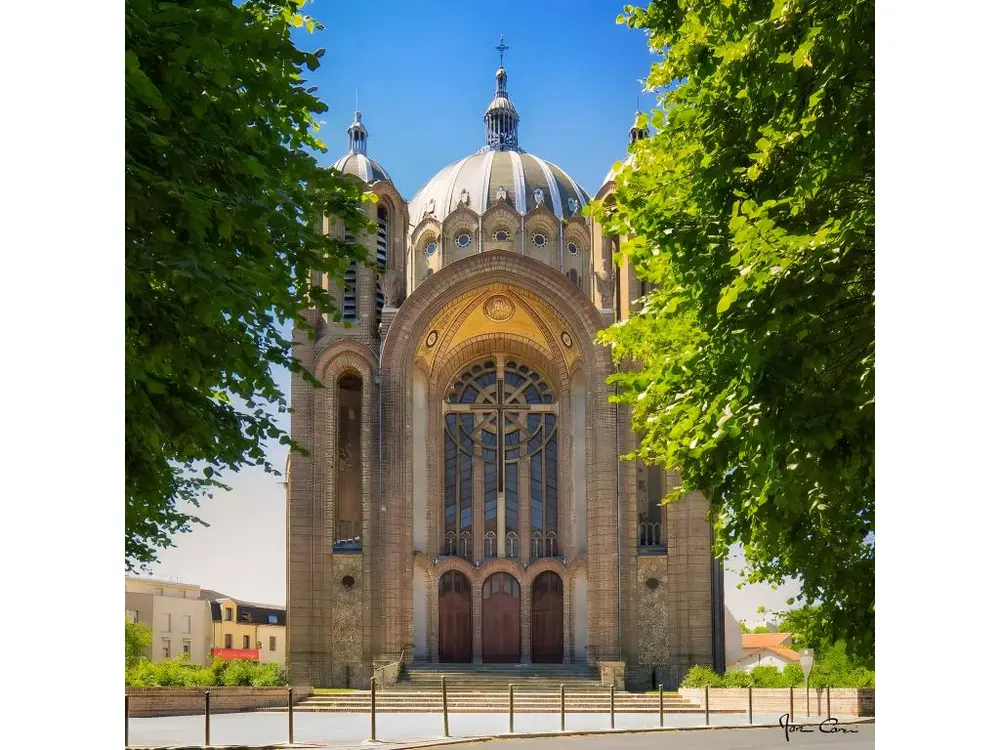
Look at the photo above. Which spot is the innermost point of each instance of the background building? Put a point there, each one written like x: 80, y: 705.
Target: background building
x: 175, y: 613
x: 764, y: 649
x: 246, y: 630
x: 463, y: 499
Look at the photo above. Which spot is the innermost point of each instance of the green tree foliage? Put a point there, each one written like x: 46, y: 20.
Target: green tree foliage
x: 751, y: 212
x: 138, y: 638
x: 834, y: 665
x: 223, y: 199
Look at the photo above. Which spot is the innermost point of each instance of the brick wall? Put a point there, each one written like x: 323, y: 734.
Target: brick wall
x: 184, y: 701
x: 843, y: 701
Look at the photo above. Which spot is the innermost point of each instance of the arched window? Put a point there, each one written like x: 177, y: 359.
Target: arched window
x: 349, y: 405
x: 573, y: 276
x: 500, y: 402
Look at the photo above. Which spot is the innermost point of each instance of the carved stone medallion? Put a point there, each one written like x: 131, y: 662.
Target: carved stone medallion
x: 499, y: 308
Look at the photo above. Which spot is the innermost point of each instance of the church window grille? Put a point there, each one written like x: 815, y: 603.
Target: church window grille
x: 349, y: 310
x: 501, y: 235
x: 512, y: 549
x: 573, y: 249
x: 430, y: 248
x: 463, y: 240
x: 487, y: 401
x: 381, y: 258
x: 539, y: 239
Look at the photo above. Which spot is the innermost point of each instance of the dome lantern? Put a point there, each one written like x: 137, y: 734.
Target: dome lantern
x: 357, y: 136
x: 637, y: 133
x: 501, y: 117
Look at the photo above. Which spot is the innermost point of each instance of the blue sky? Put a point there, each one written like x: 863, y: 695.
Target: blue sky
x: 424, y: 74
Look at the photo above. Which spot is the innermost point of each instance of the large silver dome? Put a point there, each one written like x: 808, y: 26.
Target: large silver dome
x: 485, y: 178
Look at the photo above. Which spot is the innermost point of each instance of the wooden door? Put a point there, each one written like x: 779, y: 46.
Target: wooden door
x: 547, y: 619
x: 454, y: 618
x: 501, y: 619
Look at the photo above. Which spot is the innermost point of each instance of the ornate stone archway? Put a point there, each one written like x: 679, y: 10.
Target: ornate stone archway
x: 472, y: 308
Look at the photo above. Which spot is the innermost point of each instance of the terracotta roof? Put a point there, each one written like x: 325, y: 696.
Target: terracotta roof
x: 765, y: 640
x: 756, y: 643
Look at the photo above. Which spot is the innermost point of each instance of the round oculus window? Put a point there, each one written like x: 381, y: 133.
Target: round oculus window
x: 539, y: 239
x: 500, y: 236
x: 431, y: 248
x: 463, y: 239
x: 347, y: 581
x: 573, y: 249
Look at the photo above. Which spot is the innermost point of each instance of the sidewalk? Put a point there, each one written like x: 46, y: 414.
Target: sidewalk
x: 397, y: 731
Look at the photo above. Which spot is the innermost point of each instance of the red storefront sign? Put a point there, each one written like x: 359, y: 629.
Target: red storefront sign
x: 236, y: 653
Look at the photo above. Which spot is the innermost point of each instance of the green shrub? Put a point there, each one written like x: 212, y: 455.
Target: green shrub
x: 181, y: 672
x: 766, y: 676
x: 738, y: 679
x: 268, y: 675
x: 793, y: 676
x: 700, y: 676
x: 239, y: 673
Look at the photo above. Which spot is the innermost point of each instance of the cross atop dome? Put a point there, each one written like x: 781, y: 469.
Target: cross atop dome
x: 501, y: 48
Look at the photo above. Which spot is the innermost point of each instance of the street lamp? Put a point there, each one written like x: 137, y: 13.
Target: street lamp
x: 806, y: 660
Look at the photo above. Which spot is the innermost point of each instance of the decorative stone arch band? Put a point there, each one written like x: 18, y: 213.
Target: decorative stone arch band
x: 408, y: 331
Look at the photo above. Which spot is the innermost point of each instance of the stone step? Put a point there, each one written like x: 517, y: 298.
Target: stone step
x: 477, y: 699
x: 496, y: 685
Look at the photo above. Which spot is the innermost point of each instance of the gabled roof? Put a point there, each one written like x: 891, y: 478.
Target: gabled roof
x: 775, y: 643
x: 766, y: 640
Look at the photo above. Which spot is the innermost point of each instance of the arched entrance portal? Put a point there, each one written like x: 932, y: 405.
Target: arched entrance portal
x: 547, y: 619
x: 454, y: 618
x: 501, y: 619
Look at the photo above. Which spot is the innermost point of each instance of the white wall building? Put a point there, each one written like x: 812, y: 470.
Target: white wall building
x: 763, y: 649
x: 176, y: 614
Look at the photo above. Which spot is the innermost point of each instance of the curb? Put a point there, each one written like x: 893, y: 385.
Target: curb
x: 444, y: 741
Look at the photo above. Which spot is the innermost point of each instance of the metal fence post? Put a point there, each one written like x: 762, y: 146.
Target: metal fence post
x: 807, y: 696
x: 612, y: 706
x: 562, y: 708
x: 208, y: 713
x: 706, y: 705
x: 828, y: 714
x: 372, y: 735
x: 291, y: 730
x: 444, y: 704
x: 791, y: 705
x: 750, y: 703
x: 661, y: 704
x: 510, y: 708
x: 126, y: 719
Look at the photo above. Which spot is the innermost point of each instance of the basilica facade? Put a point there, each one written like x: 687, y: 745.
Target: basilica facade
x: 463, y: 498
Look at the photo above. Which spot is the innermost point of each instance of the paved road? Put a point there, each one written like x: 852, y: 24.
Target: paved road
x: 720, y: 739
x: 350, y: 730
